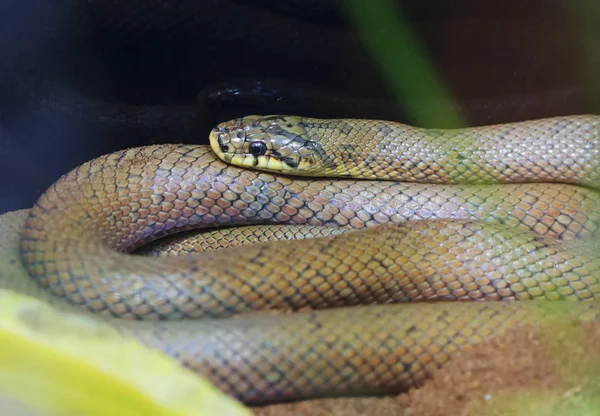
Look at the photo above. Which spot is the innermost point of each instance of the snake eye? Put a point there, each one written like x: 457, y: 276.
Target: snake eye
x: 258, y: 148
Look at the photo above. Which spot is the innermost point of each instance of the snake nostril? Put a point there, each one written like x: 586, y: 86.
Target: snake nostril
x: 224, y: 148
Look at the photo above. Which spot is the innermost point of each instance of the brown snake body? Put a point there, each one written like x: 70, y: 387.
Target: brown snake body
x: 483, y: 241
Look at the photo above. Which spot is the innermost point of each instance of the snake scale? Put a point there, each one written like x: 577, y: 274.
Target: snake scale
x: 492, y: 213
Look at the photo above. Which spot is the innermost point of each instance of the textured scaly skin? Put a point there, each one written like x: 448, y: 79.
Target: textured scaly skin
x: 559, y: 149
x: 192, y: 242
x: 76, y: 239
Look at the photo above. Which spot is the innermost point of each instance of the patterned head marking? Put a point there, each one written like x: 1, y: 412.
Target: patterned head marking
x: 271, y: 143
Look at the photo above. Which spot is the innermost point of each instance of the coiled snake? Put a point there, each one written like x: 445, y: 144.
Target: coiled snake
x: 485, y: 237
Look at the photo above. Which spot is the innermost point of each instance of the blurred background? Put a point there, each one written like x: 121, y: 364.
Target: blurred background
x: 80, y: 78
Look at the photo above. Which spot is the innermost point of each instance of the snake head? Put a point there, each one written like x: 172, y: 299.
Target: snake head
x: 270, y: 143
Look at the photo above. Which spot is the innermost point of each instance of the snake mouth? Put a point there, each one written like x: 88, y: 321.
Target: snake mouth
x: 264, y: 163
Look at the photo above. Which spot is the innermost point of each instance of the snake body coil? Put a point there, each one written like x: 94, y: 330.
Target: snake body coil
x: 484, y: 240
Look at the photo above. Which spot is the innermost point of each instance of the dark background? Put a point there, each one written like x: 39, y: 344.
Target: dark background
x: 83, y: 78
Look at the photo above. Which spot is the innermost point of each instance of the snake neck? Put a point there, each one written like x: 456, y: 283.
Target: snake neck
x: 561, y: 149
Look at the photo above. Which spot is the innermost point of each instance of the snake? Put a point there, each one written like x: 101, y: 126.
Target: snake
x: 341, y: 256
